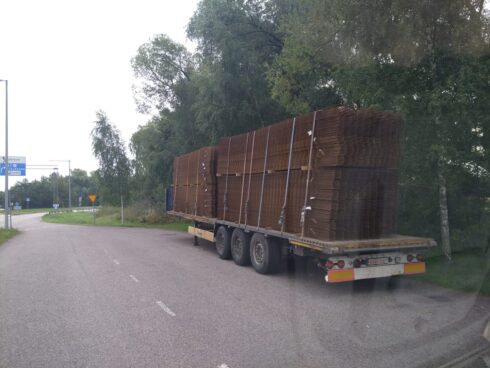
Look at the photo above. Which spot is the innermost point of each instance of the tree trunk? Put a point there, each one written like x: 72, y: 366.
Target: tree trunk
x: 445, y: 239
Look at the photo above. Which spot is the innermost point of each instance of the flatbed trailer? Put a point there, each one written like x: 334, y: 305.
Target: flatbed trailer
x: 302, y: 187
x: 343, y: 260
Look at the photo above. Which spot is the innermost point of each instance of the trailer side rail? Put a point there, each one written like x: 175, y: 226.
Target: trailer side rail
x: 328, y: 247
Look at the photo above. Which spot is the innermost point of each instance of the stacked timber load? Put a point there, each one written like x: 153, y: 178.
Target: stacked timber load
x: 194, y: 183
x: 329, y: 175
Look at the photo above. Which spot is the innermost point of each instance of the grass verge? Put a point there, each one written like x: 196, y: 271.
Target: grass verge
x: 30, y: 210
x: 104, y: 219
x: 467, y: 271
x: 7, y: 234
x: 26, y: 211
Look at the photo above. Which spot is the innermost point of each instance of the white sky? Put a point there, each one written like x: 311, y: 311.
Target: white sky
x: 64, y: 60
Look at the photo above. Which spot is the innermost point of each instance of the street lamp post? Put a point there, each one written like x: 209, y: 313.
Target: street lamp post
x: 69, y: 183
x: 6, y: 160
x: 69, y: 179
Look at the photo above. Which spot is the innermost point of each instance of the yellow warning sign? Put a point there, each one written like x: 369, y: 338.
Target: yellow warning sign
x: 92, y: 197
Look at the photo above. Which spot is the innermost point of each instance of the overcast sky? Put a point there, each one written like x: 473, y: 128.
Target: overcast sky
x: 65, y: 60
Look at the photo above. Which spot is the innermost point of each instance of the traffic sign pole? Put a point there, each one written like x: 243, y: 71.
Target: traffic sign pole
x: 92, y: 198
x: 6, y: 194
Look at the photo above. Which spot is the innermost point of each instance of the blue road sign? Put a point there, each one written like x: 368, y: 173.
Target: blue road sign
x: 17, y: 166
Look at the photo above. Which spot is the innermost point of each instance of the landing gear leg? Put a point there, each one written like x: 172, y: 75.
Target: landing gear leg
x: 196, y: 241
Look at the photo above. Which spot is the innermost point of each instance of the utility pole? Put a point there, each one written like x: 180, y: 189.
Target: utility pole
x: 6, y: 159
x: 69, y: 184
x: 69, y: 179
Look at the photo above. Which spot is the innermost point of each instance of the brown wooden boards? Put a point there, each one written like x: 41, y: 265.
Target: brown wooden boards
x: 329, y: 175
x: 343, y: 137
x: 194, y: 183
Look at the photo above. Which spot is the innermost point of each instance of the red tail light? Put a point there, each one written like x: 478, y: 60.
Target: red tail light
x: 341, y: 264
x: 329, y: 264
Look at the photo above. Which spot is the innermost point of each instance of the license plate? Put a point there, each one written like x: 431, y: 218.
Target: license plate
x: 377, y: 261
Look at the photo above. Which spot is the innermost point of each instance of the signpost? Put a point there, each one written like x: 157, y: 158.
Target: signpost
x: 92, y: 198
x: 16, y: 164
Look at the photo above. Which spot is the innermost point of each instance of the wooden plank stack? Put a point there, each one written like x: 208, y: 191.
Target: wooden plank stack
x: 339, y: 166
x: 194, y: 183
x: 349, y: 192
x: 343, y: 138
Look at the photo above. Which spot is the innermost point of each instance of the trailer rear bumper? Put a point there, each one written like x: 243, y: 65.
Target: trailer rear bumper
x: 352, y: 274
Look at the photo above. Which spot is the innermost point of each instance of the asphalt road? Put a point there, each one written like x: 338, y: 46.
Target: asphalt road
x: 76, y: 296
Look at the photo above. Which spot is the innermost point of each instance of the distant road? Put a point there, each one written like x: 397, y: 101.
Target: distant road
x: 78, y: 296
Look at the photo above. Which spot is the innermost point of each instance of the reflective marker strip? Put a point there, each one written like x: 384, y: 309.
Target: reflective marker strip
x: 306, y: 245
x: 412, y: 268
x: 340, y: 275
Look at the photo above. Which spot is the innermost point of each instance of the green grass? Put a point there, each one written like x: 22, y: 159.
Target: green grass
x: 7, y: 234
x: 111, y: 219
x: 467, y: 271
x: 26, y: 211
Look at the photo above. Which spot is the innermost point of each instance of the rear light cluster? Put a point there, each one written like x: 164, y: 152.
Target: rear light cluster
x: 415, y: 258
x: 380, y: 259
x: 330, y: 264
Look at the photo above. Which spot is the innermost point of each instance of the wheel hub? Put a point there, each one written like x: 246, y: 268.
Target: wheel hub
x: 238, y: 246
x: 258, y: 253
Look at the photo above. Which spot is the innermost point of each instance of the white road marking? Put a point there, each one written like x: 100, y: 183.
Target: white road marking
x: 223, y: 366
x: 116, y: 261
x: 165, y: 308
x: 134, y: 278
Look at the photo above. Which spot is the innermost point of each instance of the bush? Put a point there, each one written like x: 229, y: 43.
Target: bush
x: 141, y: 212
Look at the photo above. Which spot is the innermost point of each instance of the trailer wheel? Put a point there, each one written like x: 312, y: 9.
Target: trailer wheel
x: 265, y: 254
x: 223, y: 243
x: 240, y: 247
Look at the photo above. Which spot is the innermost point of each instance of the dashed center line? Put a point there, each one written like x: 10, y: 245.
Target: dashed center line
x: 116, y: 261
x: 134, y: 278
x: 165, y: 308
x: 223, y: 366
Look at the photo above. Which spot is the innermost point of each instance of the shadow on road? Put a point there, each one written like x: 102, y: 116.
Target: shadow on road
x: 306, y: 274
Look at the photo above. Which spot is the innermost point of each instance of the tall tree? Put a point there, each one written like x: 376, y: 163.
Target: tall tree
x: 154, y: 147
x: 114, y: 168
x: 237, y: 41
x: 161, y: 66
x: 426, y: 58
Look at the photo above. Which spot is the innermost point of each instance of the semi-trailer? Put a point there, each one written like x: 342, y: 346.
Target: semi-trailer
x: 321, y: 185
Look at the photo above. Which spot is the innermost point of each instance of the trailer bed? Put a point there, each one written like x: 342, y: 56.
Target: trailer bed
x: 394, y: 242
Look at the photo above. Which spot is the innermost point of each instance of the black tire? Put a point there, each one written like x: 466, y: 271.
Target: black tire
x: 265, y: 254
x: 240, y: 247
x: 222, y: 242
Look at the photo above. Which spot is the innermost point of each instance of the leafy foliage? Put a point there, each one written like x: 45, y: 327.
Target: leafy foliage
x: 259, y: 61
x: 42, y: 193
x: 114, y: 167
